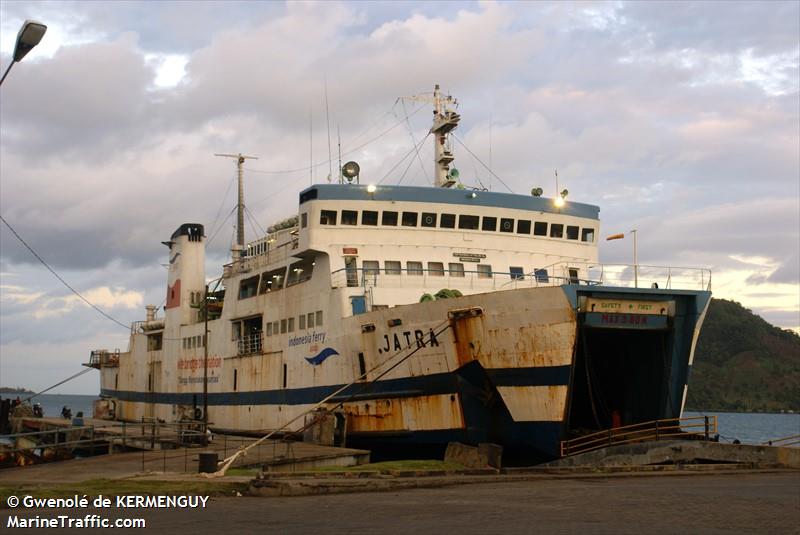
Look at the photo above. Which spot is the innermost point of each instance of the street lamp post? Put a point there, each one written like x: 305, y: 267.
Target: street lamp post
x: 28, y: 37
x: 635, y: 259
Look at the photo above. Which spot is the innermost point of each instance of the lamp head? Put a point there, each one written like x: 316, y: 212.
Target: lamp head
x: 28, y: 37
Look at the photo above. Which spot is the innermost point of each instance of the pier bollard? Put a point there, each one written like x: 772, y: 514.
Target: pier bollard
x: 208, y: 462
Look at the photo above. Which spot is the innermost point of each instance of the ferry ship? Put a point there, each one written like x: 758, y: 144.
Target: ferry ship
x: 434, y: 314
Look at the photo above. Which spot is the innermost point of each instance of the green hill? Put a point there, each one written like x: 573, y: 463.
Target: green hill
x: 743, y: 363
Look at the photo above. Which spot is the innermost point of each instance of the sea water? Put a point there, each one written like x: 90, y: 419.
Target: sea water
x: 752, y: 427
x: 53, y: 403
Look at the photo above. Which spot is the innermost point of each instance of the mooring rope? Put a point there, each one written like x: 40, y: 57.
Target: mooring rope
x: 227, y: 463
x: 57, y: 384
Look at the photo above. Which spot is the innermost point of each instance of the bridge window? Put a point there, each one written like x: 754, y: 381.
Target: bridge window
x: 272, y: 280
x: 392, y: 267
x: 301, y: 321
x: 389, y: 219
x: 303, y: 220
x: 468, y: 222
x: 349, y: 217
x: 269, y: 328
x: 556, y: 230
x: 540, y: 228
x: 300, y: 272
x: 428, y: 219
x: 409, y: 219
x: 541, y: 275
x: 436, y: 269
x: 572, y: 232
x: 517, y: 273
x: 489, y: 223
x: 484, y: 271
x: 290, y: 326
x: 414, y: 268
x: 506, y: 225
x: 248, y: 287
x: 456, y: 269
x: 587, y: 235
x: 319, y: 318
x: 523, y: 226
x: 283, y: 326
x: 369, y: 217
x: 310, y: 320
x: 447, y: 221
x: 327, y: 217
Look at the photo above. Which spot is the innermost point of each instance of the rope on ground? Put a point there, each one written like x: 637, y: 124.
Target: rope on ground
x: 227, y: 463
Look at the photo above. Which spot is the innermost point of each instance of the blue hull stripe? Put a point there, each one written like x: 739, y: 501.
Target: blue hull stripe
x: 428, y: 385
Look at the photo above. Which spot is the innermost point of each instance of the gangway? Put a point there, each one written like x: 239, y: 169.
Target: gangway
x: 695, y: 427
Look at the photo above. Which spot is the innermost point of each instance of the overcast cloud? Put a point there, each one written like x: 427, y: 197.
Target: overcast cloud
x: 679, y: 119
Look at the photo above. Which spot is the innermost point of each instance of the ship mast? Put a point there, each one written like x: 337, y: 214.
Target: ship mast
x: 445, y: 119
x: 240, y: 158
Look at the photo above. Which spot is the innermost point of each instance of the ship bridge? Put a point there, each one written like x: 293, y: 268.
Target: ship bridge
x: 397, y: 243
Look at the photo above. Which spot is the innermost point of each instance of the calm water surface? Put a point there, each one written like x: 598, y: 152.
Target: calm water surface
x: 752, y: 428
x: 53, y: 403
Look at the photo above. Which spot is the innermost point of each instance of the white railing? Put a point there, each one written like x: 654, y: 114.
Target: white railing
x: 271, y: 249
x: 435, y: 280
x: 637, y: 276
x: 250, y: 344
x: 618, y: 275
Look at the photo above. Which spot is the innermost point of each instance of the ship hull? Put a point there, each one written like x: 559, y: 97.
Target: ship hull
x: 523, y: 368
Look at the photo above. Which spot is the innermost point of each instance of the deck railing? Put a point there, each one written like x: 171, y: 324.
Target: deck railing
x: 631, y: 275
x: 250, y: 344
x: 438, y: 279
x: 690, y: 427
x: 580, y: 273
x: 103, y: 357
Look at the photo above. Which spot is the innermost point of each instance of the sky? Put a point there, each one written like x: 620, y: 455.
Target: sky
x: 679, y: 119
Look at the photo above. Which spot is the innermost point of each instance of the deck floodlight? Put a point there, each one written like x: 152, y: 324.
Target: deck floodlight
x: 350, y: 170
x: 371, y: 188
x: 559, y: 202
x: 537, y: 192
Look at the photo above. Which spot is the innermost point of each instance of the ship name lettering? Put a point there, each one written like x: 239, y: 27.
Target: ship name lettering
x: 419, y: 339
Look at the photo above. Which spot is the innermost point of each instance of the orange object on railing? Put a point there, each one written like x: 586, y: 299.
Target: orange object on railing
x: 694, y: 427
